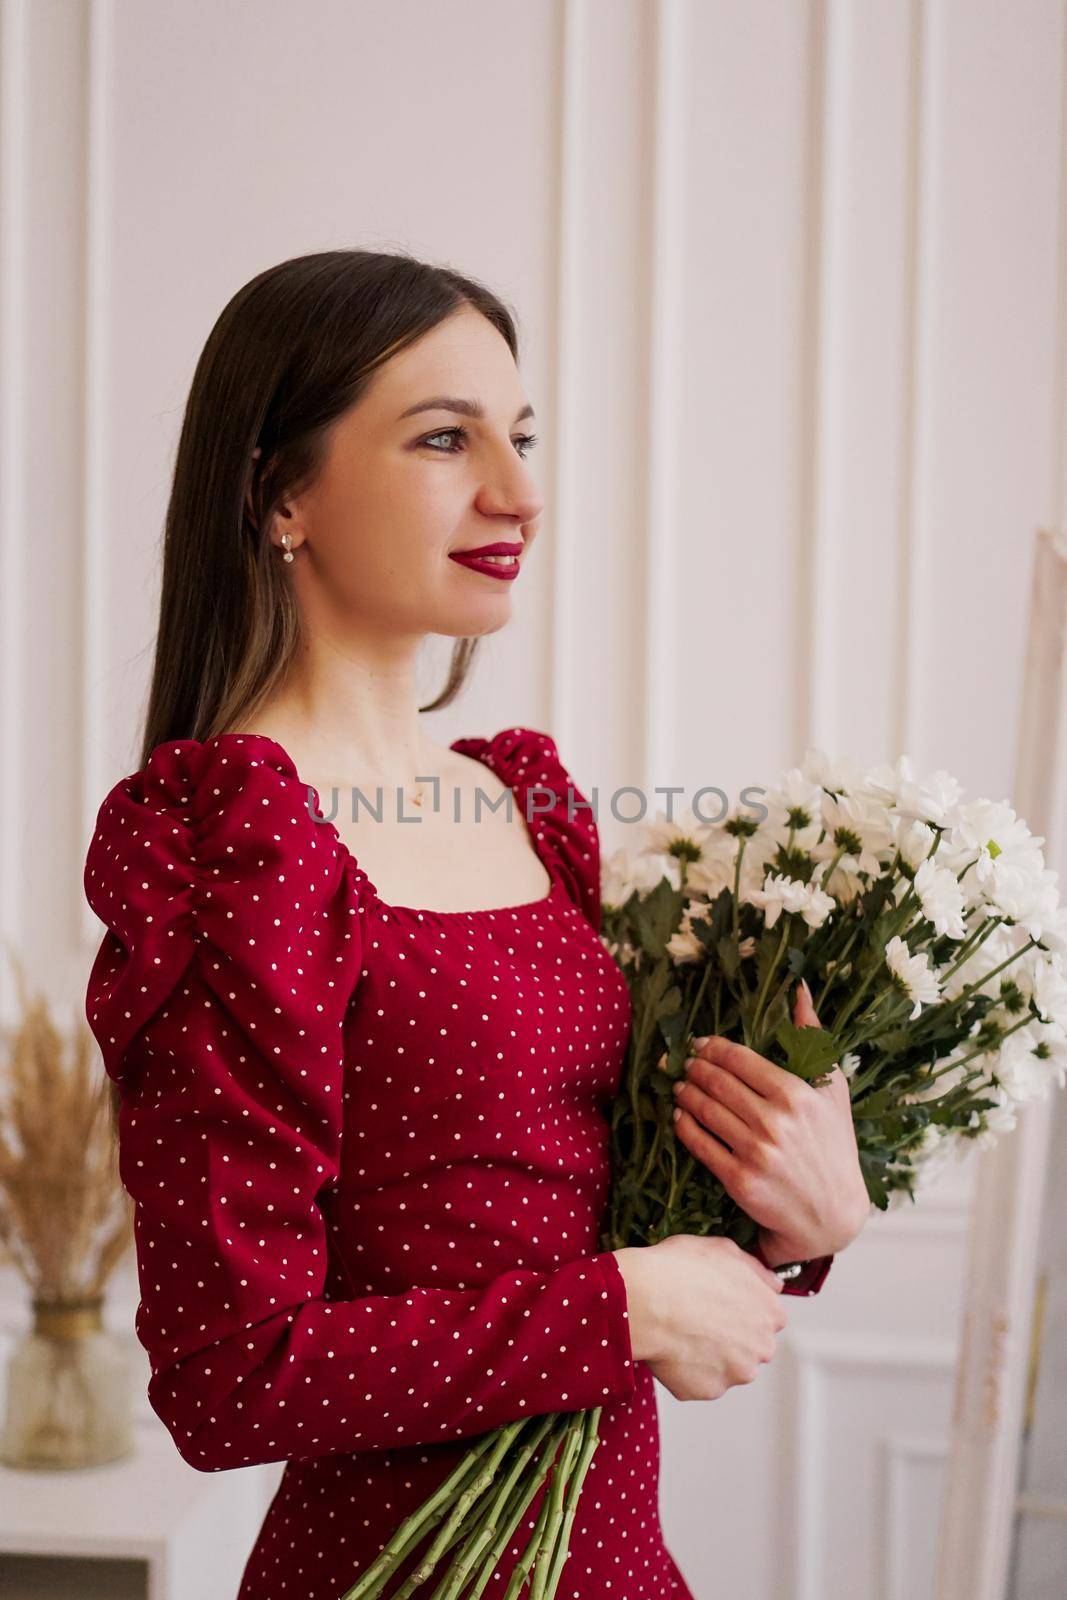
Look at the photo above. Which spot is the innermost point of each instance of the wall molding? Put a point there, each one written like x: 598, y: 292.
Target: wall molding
x: 913, y: 615
x: 573, y: 48
x: 14, y: 449
x: 899, y: 1457
x: 660, y: 329
x: 818, y: 553
x: 95, y: 779
x: 815, y: 1357
x: 1058, y: 494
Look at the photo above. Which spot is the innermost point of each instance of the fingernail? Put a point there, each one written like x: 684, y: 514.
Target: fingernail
x: 677, y: 1086
x: 676, y: 1113
x: 699, y: 1043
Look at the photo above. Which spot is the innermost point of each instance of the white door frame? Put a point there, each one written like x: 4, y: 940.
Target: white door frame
x: 981, y: 1488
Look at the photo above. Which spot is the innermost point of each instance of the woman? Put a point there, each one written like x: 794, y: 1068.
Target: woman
x: 361, y: 1068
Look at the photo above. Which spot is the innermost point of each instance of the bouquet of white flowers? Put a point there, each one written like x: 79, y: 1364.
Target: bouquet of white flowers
x: 928, y: 929
x: 930, y: 933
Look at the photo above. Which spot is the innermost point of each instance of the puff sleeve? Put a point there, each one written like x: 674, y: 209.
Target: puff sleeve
x: 560, y: 817
x: 218, y: 998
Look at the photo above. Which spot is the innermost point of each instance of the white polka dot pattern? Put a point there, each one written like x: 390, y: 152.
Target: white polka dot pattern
x: 367, y: 1147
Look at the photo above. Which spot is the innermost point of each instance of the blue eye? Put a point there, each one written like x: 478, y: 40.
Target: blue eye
x: 524, y: 443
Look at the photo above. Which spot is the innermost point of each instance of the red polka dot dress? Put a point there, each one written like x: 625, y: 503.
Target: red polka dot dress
x: 368, y: 1156
x: 368, y: 1149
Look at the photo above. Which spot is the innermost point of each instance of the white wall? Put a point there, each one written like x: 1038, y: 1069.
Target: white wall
x: 792, y: 284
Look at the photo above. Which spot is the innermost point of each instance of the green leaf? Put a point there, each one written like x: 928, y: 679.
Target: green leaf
x: 809, y: 1052
x: 657, y: 917
x: 893, y: 1042
x: 872, y: 1167
x: 729, y: 956
x: 874, y: 1104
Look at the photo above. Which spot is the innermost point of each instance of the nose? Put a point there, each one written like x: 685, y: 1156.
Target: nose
x: 513, y: 492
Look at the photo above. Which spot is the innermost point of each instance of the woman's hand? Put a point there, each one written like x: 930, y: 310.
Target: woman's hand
x: 703, y: 1313
x: 783, y: 1148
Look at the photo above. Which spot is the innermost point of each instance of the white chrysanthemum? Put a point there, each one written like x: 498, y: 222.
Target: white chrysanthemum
x: 997, y: 1121
x: 914, y: 840
x: 931, y: 799
x: 622, y: 951
x: 661, y: 836
x: 795, y: 804
x: 842, y: 776
x: 1004, y: 863
x: 1052, y: 1037
x: 935, y: 1155
x: 683, y: 945
x: 1023, y: 1075
x: 941, y: 899
x: 715, y: 869
x: 718, y: 869
x: 855, y: 820
x: 1048, y: 985
x: 862, y: 827
x: 1054, y: 932
x: 844, y: 884
x: 625, y: 870
x: 914, y: 973
x: 850, y: 1063
x: 780, y: 893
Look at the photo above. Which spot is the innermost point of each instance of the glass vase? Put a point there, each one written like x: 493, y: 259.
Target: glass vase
x: 69, y: 1400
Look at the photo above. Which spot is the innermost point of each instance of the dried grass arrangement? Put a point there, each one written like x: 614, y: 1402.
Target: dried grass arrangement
x: 65, y: 1223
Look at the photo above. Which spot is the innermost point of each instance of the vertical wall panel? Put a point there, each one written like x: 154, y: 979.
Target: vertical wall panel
x: 989, y: 438
x: 863, y: 401
x: 742, y: 454
x: 607, y: 143
x: 14, y: 269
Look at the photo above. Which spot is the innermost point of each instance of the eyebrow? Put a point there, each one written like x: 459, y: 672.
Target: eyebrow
x: 465, y: 408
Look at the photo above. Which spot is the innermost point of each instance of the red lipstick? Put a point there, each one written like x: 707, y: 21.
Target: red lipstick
x: 506, y: 566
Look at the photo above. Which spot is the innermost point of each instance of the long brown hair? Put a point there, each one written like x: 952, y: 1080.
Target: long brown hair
x: 292, y: 350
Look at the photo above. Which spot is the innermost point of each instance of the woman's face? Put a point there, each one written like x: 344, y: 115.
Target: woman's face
x: 400, y: 494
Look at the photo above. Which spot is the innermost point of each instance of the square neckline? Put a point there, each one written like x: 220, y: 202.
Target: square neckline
x: 350, y: 859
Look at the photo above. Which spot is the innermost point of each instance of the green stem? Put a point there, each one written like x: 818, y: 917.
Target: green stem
x: 973, y: 942
x: 533, y: 1547
x: 502, y: 1440
x: 485, y: 1527
x: 694, y: 1009
x: 735, y: 902
x: 838, y: 964
x: 637, y: 1049
x: 414, y: 1528
x: 771, y: 969
x: 514, y: 1514
x: 571, y: 1442
x: 588, y: 1441
x: 849, y: 1006
x: 946, y: 1008
x: 982, y: 1050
